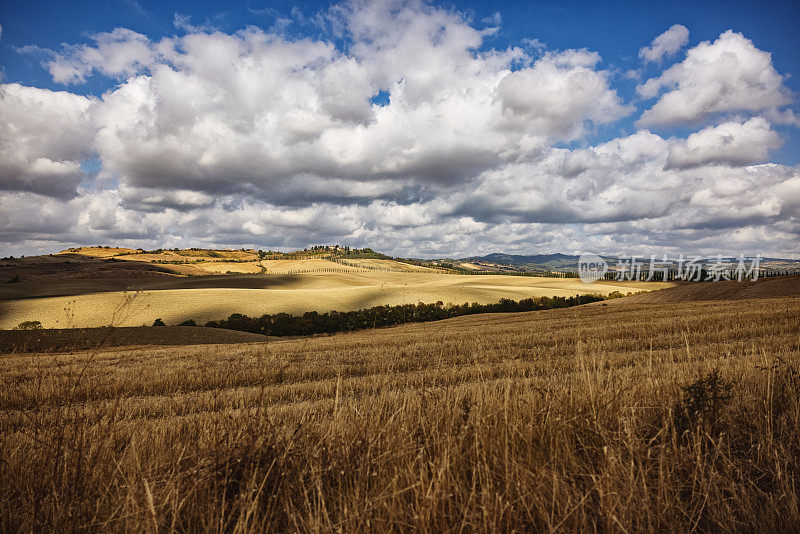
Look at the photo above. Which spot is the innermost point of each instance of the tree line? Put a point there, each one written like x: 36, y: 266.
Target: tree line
x: 284, y: 324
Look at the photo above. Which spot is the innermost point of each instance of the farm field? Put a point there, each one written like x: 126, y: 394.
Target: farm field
x: 72, y: 339
x: 345, y: 266
x: 164, y: 255
x: 175, y: 300
x: 112, y: 263
x: 635, y: 416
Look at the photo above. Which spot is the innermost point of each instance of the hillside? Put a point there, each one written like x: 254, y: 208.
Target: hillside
x: 784, y: 286
x: 76, y: 339
x: 211, y: 298
x: 563, y: 420
x: 114, y: 263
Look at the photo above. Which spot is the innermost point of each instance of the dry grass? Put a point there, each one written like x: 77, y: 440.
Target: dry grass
x: 781, y: 286
x: 296, y: 294
x: 560, y: 420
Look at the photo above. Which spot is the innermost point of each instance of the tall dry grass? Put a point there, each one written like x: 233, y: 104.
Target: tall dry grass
x: 575, y: 419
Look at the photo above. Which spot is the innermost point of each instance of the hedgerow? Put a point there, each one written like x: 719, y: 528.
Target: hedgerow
x: 284, y: 324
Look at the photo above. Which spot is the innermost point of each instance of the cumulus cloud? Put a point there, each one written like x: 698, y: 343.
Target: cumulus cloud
x: 666, y: 44
x: 44, y: 137
x: 625, y: 201
x: 119, y: 53
x: 627, y: 185
x: 728, y: 75
x: 254, y: 138
x: 557, y: 94
x: 730, y: 143
x: 292, y: 120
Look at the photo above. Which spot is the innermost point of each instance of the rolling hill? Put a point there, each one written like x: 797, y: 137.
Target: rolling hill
x: 635, y: 416
x: 212, y: 298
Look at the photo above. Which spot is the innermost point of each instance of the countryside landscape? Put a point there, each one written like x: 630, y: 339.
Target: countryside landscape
x: 399, y: 266
x: 569, y: 418
x: 84, y: 287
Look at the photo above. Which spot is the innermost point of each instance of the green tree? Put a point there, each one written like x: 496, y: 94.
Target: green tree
x: 28, y: 325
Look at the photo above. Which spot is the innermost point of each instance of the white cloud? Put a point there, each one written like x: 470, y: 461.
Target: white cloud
x: 666, y: 44
x: 44, y: 137
x: 159, y: 199
x: 252, y: 138
x: 184, y: 22
x: 291, y: 120
x: 495, y: 20
x: 730, y: 143
x: 624, y: 201
x: 557, y: 94
x: 728, y: 75
x: 119, y: 53
x: 628, y: 182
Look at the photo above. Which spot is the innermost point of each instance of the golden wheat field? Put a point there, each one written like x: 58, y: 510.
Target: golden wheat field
x: 579, y: 419
x: 292, y: 293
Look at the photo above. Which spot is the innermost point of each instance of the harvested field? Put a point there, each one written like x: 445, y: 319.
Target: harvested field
x: 223, y: 267
x: 60, y: 267
x: 476, y: 267
x: 218, y: 255
x: 189, y: 256
x: 561, y: 420
x: 781, y: 286
x: 388, y: 265
x: 75, y: 339
x: 305, y: 267
x: 295, y: 294
x: 98, y: 252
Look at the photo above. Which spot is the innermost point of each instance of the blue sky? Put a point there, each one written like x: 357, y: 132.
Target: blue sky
x: 57, y: 33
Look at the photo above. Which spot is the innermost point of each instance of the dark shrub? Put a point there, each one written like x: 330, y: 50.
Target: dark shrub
x: 283, y: 324
x: 703, y: 400
x: 28, y: 325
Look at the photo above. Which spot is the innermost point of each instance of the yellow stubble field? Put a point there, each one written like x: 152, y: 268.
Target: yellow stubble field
x: 294, y: 293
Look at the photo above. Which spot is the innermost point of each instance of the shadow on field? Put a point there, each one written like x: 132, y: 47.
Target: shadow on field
x: 65, y: 288
x: 781, y: 286
x: 72, y: 339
